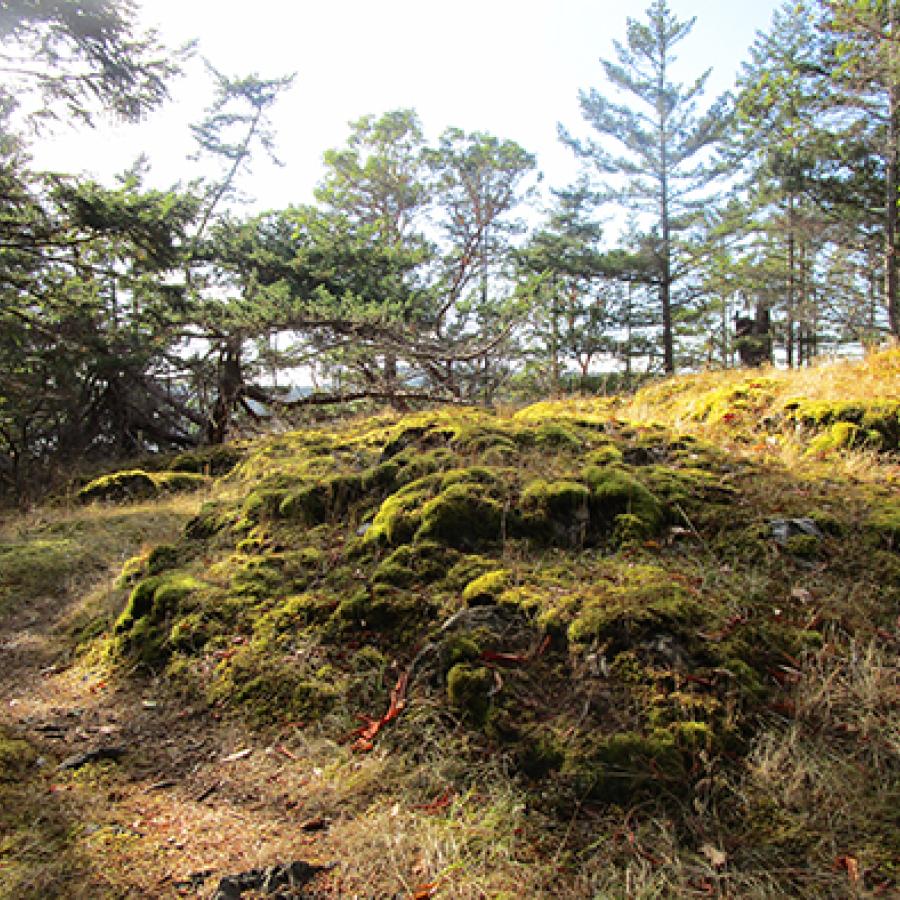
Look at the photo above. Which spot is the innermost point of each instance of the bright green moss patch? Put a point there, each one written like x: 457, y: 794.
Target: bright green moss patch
x: 631, y: 605
x: 142, y: 629
x: 606, y: 455
x: 486, y: 589
x: 136, y: 484
x: 461, y: 516
x: 400, y: 515
x: 836, y: 425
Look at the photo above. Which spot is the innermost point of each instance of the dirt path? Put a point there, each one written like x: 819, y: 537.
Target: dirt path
x: 189, y: 801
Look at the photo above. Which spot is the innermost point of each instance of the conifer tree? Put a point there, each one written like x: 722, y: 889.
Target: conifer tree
x: 663, y: 142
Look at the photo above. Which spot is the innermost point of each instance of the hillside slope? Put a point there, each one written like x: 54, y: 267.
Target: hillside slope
x: 636, y: 647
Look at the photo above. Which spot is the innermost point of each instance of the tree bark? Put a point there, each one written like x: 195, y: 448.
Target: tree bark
x: 891, y: 198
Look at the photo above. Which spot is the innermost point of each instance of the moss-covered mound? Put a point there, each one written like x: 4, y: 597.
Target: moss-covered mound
x: 136, y: 484
x: 645, y: 558
x: 614, y: 607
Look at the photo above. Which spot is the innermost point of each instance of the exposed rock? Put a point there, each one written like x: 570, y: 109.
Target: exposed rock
x: 96, y: 755
x: 784, y: 529
x: 270, y: 880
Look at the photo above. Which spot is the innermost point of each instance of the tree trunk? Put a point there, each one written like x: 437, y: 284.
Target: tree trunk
x: 665, y: 286
x: 229, y: 388
x: 791, y: 286
x: 891, y: 198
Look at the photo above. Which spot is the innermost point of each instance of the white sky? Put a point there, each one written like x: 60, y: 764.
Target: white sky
x: 509, y: 67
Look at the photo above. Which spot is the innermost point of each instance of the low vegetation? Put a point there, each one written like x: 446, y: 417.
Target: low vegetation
x: 634, y: 647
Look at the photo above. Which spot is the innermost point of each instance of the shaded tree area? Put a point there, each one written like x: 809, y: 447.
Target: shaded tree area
x: 762, y: 225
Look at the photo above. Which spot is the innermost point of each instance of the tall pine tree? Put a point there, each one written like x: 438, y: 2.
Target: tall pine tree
x: 662, y: 141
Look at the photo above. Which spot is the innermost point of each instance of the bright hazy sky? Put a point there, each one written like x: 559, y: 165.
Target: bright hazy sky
x: 509, y: 67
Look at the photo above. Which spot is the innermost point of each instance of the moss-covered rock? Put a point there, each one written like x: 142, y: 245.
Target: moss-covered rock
x: 136, y: 484
x: 555, y: 512
x: 422, y: 563
x: 884, y: 525
x: 636, y: 602
x: 142, y: 628
x: 461, y: 516
x: 614, y: 492
x: 486, y: 589
x: 468, y: 689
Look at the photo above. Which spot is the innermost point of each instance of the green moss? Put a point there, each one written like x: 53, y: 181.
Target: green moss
x: 35, y: 568
x: 629, y: 529
x: 177, y: 482
x: 840, y: 436
x: 540, y: 754
x: 189, y: 633
x: 458, y: 648
x: 165, y: 556
x: 609, y: 454
x: 552, y: 434
x: 262, y: 505
x: 461, y: 516
x: 555, y: 512
x: 136, y: 484
x: 803, y: 546
x: 421, y: 563
x: 624, y: 766
x: 156, y: 597
x: 642, y: 600
x: 480, y: 440
x: 213, y: 517
x: 742, y: 401
x: 875, y: 423
x: 267, y: 691
x: 271, y: 575
x: 884, y: 524
x: 527, y: 599
x: 466, y: 570
x: 380, y: 608
x: 295, y: 613
x: 468, y: 689
x: 400, y: 515
x: 133, y: 570
x: 382, y: 477
x: 16, y: 757
x: 486, y: 589
x: 614, y: 492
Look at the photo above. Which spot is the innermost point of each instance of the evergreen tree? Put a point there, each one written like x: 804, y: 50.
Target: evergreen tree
x: 480, y: 182
x: 662, y: 170
x: 866, y: 81
x: 81, y: 58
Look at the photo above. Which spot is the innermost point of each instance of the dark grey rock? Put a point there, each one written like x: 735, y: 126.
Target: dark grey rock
x: 272, y: 880
x: 784, y: 529
x: 95, y: 755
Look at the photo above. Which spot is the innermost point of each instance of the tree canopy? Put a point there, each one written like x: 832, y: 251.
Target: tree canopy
x: 760, y: 225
